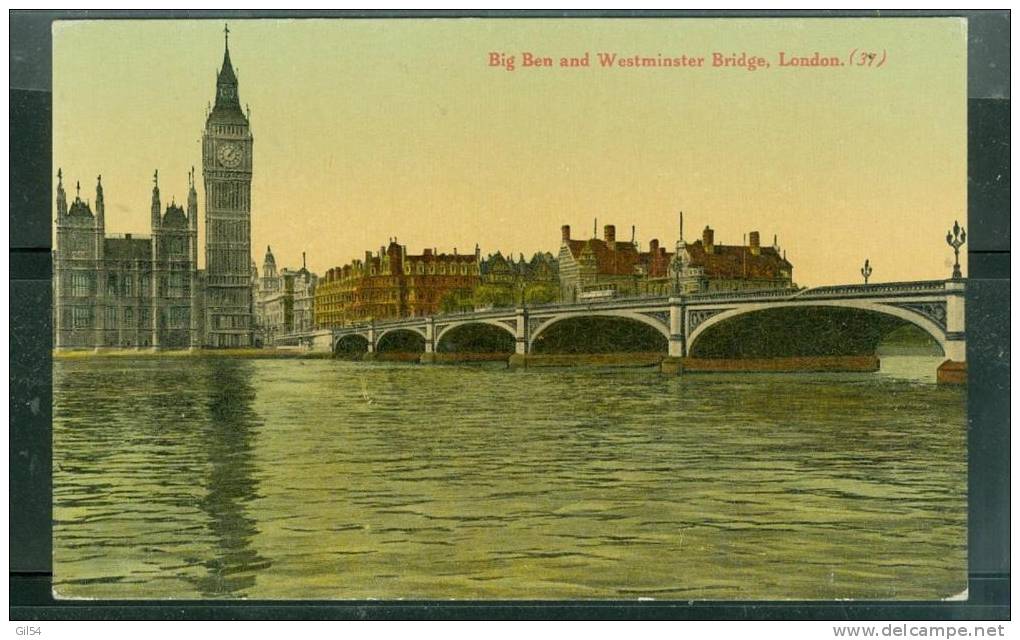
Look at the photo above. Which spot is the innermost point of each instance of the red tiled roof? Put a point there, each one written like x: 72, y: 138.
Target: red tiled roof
x: 619, y: 261
x: 730, y: 261
x: 725, y: 261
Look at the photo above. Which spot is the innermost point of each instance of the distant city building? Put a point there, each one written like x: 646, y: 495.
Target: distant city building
x: 704, y: 265
x: 597, y: 268
x: 283, y: 300
x: 393, y: 284
x: 146, y: 291
x: 505, y: 281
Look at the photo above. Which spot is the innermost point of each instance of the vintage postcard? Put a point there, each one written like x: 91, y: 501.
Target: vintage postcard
x: 510, y: 309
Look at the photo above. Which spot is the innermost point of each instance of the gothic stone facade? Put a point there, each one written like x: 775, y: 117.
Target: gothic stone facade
x: 146, y: 291
x: 227, y: 169
x: 124, y: 290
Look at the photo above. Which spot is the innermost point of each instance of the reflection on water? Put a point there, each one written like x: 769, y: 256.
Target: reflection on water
x: 228, y: 435
x: 187, y: 478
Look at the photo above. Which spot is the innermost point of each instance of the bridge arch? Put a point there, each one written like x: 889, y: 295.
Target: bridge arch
x: 660, y: 328
x: 448, y: 331
x: 350, y: 344
x: 419, y: 330
x: 401, y: 339
x: 926, y: 324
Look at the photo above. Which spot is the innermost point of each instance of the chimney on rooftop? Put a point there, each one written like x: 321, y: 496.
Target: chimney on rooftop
x: 565, y: 230
x: 708, y: 239
x: 653, y: 246
x: 610, y: 233
x: 755, y: 243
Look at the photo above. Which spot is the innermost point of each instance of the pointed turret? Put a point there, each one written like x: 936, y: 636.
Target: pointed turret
x: 100, y: 206
x: 155, y: 200
x: 227, y: 71
x: 227, y: 107
x: 61, y: 196
x: 269, y: 264
x: 192, y: 201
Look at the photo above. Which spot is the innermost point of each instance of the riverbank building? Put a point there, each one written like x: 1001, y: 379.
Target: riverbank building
x: 146, y: 291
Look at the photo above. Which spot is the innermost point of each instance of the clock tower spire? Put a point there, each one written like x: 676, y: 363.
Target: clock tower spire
x: 227, y: 99
x: 227, y: 170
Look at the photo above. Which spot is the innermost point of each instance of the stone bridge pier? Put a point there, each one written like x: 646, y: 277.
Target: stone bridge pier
x: 521, y: 332
x: 954, y: 369
x: 429, y: 356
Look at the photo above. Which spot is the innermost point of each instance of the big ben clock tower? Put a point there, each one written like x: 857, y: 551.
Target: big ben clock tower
x: 226, y: 167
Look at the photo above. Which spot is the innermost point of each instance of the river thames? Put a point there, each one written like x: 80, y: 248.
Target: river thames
x: 180, y: 477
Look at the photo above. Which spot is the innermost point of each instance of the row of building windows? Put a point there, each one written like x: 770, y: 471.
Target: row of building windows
x: 419, y: 267
x: 83, y: 317
x: 81, y: 245
x: 232, y: 297
x: 229, y: 195
x: 224, y: 321
x: 83, y: 284
x: 175, y: 246
x: 229, y: 261
x: 228, y: 230
x: 230, y: 129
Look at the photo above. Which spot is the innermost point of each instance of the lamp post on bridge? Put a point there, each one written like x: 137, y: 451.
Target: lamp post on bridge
x: 956, y: 238
x: 522, y: 285
x: 866, y: 270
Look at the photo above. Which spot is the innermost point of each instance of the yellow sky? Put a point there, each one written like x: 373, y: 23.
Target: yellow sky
x: 367, y: 129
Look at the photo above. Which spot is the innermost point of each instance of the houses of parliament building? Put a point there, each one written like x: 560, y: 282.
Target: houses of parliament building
x: 129, y: 290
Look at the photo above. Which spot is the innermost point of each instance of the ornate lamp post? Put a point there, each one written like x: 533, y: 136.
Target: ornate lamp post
x: 866, y: 270
x: 956, y: 237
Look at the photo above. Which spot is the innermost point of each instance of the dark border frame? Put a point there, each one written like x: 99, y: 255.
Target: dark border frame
x: 30, y: 355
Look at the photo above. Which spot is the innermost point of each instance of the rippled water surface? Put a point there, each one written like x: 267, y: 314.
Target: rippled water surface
x: 231, y: 478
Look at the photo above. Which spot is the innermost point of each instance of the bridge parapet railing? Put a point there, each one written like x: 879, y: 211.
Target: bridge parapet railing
x: 767, y: 294
x: 622, y: 302
x: 856, y: 290
x: 825, y: 291
x: 486, y: 314
x: 646, y: 301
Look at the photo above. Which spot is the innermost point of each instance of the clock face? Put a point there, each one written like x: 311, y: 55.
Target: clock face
x: 227, y: 92
x: 229, y: 155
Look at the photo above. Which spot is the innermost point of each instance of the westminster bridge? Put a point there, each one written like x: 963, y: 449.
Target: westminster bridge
x: 820, y: 328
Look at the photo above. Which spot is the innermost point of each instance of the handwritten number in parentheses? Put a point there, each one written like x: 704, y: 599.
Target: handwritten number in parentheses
x: 860, y: 58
